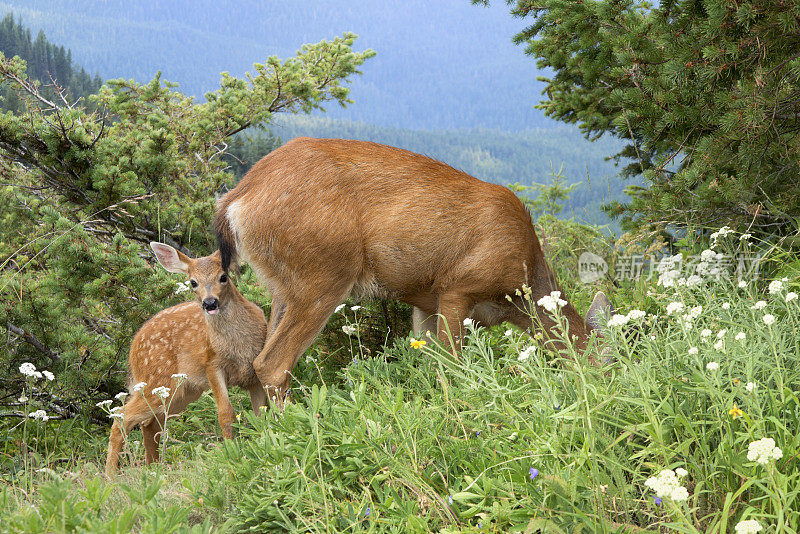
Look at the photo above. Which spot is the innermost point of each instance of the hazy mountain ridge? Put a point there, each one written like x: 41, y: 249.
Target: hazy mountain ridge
x: 465, y: 70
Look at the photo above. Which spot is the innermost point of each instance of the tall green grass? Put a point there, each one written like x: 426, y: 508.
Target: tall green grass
x: 507, y: 439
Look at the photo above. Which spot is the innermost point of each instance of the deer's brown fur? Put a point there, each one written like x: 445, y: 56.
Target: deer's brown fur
x: 321, y: 219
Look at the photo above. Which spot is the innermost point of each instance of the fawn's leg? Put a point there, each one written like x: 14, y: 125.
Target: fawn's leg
x: 151, y: 437
x: 219, y: 388
x: 136, y: 411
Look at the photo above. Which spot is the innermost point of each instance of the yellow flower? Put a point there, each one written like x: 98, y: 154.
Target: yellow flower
x: 735, y: 381
x: 735, y: 412
x: 417, y: 343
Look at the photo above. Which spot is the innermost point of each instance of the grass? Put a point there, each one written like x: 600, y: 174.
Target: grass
x: 504, y: 440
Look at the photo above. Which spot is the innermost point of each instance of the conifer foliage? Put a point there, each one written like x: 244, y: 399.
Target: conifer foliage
x: 87, y: 185
x: 705, y: 91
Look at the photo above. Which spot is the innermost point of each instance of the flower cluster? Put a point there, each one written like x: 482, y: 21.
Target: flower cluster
x: 622, y: 320
x: 552, y: 302
x: 40, y: 415
x: 748, y: 526
x: 29, y: 370
x: 161, y: 391
x: 669, y: 270
x: 722, y: 232
x: 182, y: 287
x: 349, y: 329
x: 763, y: 450
x: 667, y: 485
x: 526, y: 353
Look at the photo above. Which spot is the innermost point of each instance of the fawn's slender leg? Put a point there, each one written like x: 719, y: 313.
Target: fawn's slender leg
x: 219, y: 388
x: 136, y: 411
x: 151, y: 437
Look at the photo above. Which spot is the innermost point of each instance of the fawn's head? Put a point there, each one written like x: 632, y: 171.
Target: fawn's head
x: 211, y: 284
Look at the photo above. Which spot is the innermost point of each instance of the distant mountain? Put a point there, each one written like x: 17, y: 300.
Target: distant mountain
x: 441, y: 64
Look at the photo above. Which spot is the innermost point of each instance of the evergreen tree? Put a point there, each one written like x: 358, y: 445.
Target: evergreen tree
x: 706, y: 92
x: 47, y: 63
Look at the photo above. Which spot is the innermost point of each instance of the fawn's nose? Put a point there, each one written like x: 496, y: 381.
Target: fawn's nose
x: 211, y: 305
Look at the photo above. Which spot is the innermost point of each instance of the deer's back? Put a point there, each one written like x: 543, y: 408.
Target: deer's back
x: 401, y: 219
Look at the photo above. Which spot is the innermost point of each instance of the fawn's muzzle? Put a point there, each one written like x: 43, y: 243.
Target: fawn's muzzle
x: 211, y: 305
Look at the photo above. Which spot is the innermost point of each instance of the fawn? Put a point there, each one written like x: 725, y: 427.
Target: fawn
x: 212, y: 340
x: 321, y: 219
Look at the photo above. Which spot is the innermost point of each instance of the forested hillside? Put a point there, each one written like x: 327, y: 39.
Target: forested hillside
x: 443, y: 64
x: 47, y: 63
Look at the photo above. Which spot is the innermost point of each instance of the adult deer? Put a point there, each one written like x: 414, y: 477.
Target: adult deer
x: 321, y: 219
x: 212, y: 340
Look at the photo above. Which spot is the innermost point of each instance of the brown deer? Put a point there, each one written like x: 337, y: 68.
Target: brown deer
x: 322, y: 219
x: 212, y: 340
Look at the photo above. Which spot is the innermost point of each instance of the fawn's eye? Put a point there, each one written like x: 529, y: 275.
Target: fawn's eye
x: 193, y: 282
x: 223, y: 278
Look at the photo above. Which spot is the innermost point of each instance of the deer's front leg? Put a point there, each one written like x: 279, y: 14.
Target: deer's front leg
x: 224, y: 408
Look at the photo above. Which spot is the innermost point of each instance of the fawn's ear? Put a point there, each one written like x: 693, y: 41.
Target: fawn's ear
x: 172, y: 260
x: 599, y: 312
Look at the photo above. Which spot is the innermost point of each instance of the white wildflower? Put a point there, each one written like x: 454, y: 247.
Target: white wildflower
x: 104, y: 403
x: 121, y: 396
x: 161, y: 391
x: 469, y: 322
x: 750, y: 387
x: 667, y: 485
x: 775, y: 286
x: 674, y: 307
x: 790, y: 296
x: 48, y: 375
x: 355, y: 308
x: 349, y: 329
x: 768, y: 319
x: 722, y: 333
x: 552, y: 302
x: 693, y: 280
x: 181, y: 287
x: 23, y: 399
x: 508, y: 333
x: 705, y: 332
x: 526, y: 353
x: 693, y: 350
x: 618, y: 320
x: 745, y: 237
x: 748, y: 526
x: 726, y: 305
x: 139, y: 386
x: 339, y: 308
x: 719, y: 345
x: 741, y: 336
x: 722, y: 232
x: 681, y: 472
x: 742, y: 284
x: 27, y: 369
x: 635, y: 315
x: 760, y: 305
x: 180, y: 376
x: 679, y: 494
x: 40, y: 415
x: 763, y: 450
x: 712, y: 366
